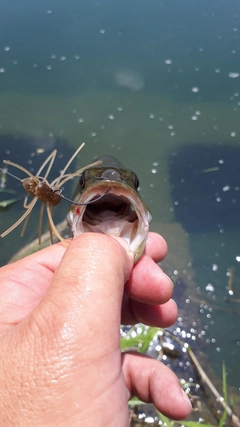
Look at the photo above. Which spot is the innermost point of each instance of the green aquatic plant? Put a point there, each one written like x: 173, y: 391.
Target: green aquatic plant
x: 133, y: 340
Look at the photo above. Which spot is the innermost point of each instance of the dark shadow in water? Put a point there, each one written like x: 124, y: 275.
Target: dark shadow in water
x: 205, y: 186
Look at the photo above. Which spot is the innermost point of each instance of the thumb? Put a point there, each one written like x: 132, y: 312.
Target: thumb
x: 70, y: 342
x: 83, y: 303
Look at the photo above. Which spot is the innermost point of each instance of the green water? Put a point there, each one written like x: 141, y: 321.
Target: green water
x: 137, y: 80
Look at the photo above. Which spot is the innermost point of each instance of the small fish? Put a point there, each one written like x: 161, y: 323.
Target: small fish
x: 118, y: 211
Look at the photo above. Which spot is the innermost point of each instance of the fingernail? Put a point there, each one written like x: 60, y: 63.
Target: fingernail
x: 170, y: 280
x: 185, y: 397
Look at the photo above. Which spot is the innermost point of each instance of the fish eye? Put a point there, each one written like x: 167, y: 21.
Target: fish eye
x: 136, y: 182
x: 82, y: 180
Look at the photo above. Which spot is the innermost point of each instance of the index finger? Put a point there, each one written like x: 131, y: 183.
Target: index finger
x: 156, y: 247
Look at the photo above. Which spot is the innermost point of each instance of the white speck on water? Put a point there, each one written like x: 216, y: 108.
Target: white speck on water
x: 102, y: 31
x: 35, y: 65
x: 238, y: 258
x: 151, y: 116
x: 197, y: 68
x: 175, y: 272
x: 63, y: 58
x: 217, y: 70
x: 154, y: 170
x: 2, y: 70
x: 49, y: 11
x: 93, y: 133
x: 221, y: 161
x: 201, y: 49
x: 77, y: 56
x: 236, y: 94
x: 170, y: 127
x: 15, y: 62
x: 226, y: 188
x: 111, y: 116
x: 80, y: 120
x: 53, y: 56
x: 161, y: 119
x: 48, y: 67
x: 235, y: 29
x: 7, y: 48
x: 198, y: 113
x: 172, y: 134
x: 74, y: 110
x: 155, y: 164
x: 176, y: 203
x: 194, y: 117
x: 214, y: 267
x: 218, y: 199
x: 168, y: 61
x: 210, y: 287
x: 195, y: 89
x: 233, y: 134
x: 233, y: 75
x: 120, y: 108
x: 149, y: 420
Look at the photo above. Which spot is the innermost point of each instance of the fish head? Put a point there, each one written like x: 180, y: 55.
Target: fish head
x: 118, y: 211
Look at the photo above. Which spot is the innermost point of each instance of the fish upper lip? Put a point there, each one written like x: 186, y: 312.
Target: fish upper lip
x: 120, y: 213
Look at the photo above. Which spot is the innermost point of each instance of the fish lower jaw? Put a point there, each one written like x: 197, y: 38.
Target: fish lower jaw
x: 134, y: 233
x: 107, y: 227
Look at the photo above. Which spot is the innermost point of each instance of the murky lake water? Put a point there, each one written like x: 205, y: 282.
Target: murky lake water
x: 155, y: 84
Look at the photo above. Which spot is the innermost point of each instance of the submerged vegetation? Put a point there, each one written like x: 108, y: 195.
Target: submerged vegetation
x: 7, y: 202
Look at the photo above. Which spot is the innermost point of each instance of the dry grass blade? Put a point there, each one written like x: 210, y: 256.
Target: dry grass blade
x: 235, y: 420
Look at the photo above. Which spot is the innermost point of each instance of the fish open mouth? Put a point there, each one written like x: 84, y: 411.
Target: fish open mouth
x: 118, y: 211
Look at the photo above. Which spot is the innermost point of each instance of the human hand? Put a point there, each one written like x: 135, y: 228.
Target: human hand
x: 59, y: 324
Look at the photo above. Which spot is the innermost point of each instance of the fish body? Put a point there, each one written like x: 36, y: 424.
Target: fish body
x: 120, y: 211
